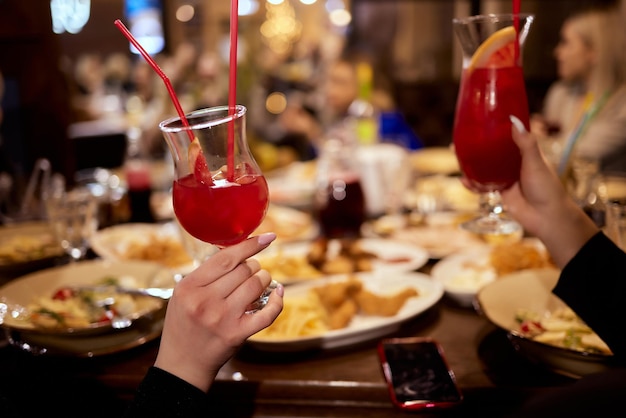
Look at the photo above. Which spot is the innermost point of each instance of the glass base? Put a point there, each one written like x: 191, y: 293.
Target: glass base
x: 494, y: 228
x: 262, y: 301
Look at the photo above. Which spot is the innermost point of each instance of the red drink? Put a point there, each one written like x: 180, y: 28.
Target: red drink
x: 482, y: 131
x: 341, y: 209
x: 224, y: 213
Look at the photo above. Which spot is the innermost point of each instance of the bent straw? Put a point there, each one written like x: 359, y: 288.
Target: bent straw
x: 160, y: 72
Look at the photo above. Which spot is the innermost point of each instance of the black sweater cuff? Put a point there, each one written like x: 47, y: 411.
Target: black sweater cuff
x: 161, y: 394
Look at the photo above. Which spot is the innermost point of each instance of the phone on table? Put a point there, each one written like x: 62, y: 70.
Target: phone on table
x: 417, y: 373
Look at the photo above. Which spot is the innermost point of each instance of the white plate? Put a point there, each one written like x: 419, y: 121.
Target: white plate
x: 362, y: 328
x: 113, y: 242
x: 142, y: 331
x: 464, y: 273
x: 20, y: 292
x: 391, y: 256
x: 289, y: 224
x: 435, y: 160
x: 439, y: 241
x: 293, y: 185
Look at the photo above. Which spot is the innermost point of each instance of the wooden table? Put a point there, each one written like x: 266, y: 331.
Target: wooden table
x: 344, y: 382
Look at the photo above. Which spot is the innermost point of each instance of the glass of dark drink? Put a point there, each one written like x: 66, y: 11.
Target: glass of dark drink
x: 339, y: 197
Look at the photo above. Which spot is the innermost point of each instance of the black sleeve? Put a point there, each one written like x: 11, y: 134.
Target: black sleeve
x: 162, y: 394
x: 593, y: 284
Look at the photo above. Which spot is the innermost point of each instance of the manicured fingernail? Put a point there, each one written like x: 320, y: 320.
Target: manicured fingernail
x: 266, y: 238
x: 519, y: 125
x: 280, y: 290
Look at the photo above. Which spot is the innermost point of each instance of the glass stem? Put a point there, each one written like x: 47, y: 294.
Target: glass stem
x: 491, y: 204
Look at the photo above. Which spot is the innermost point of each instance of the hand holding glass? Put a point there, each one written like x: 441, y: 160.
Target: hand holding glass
x: 219, y: 194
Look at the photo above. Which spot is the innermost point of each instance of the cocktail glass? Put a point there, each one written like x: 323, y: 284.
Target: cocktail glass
x: 219, y: 194
x: 492, y: 89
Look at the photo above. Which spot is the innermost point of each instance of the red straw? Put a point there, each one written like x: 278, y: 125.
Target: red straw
x: 516, y: 11
x: 232, y: 84
x: 160, y: 72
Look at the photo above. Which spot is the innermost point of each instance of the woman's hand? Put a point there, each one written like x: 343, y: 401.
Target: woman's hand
x: 540, y: 203
x: 206, y: 319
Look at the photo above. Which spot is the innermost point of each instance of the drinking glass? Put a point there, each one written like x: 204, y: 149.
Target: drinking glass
x: 219, y: 194
x: 616, y: 222
x: 73, y: 218
x: 492, y: 89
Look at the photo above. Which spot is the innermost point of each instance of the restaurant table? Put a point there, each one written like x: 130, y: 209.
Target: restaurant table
x: 342, y: 382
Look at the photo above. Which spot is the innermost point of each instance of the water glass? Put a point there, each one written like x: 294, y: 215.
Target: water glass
x: 616, y: 222
x: 73, y: 218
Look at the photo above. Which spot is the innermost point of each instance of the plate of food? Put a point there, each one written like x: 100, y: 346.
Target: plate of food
x: 144, y: 330
x: 464, y: 273
x: 347, y: 309
x: 293, y: 185
x: 289, y: 224
x: 87, y: 298
x: 160, y: 243
x: 435, y: 160
x: 293, y: 262
x: 439, y: 240
x: 540, y: 325
x: 26, y: 247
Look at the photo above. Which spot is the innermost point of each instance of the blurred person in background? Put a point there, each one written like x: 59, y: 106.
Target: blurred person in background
x: 341, y: 89
x: 584, y: 113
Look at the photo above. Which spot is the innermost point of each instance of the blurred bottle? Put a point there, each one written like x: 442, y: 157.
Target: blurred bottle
x: 361, y: 111
x: 339, y: 198
x: 137, y: 172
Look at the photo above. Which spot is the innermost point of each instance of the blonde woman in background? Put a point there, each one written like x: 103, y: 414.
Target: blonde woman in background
x: 587, y: 105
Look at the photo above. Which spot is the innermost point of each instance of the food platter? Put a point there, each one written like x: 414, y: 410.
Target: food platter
x: 142, y: 331
x: 288, y: 224
x: 26, y: 247
x: 19, y: 294
x: 389, y: 257
x: 439, y: 241
x: 161, y: 243
x: 531, y: 289
x: 362, y: 327
x: 465, y: 272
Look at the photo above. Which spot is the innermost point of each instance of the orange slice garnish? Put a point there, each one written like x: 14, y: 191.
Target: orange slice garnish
x: 497, y: 51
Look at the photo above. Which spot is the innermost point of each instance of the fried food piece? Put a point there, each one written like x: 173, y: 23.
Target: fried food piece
x: 317, y: 253
x: 352, y: 248
x: 341, y: 317
x: 332, y: 295
x: 373, y: 304
x: 338, y: 265
x: 511, y: 257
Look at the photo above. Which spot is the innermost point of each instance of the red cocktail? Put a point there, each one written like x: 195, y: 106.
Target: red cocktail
x: 482, y: 131
x: 224, y: 213
x: 492, y: 90
x: 220, y: 195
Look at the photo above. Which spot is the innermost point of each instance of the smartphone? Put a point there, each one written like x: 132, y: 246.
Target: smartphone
x: 417, y: 374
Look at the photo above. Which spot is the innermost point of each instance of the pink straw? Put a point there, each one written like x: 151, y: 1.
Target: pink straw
x: 160, y: 72
x: 232, y: 84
